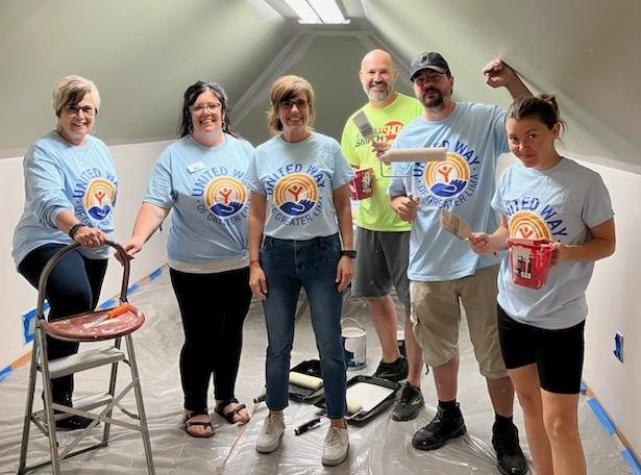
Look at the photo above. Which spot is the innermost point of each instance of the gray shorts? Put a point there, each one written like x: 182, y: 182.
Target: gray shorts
x: 383, y: 257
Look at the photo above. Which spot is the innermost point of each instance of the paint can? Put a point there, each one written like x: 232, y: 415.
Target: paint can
x: 354, y: 339
x: 362, y: 186
x: 529, y: 261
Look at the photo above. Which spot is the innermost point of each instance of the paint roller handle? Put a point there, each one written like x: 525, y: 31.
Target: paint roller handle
x: 261, y: 397
x: 301, y: 429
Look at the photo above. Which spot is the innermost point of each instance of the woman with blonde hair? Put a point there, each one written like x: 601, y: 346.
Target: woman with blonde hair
x: 70, y: 193
x: 300, y: 235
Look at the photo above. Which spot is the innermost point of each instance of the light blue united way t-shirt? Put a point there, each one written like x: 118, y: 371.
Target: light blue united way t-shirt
x: 474, y: 136
x: 298, y: 181
x: 559, y: 204
x: 207, y: 191
x: 62, y: 176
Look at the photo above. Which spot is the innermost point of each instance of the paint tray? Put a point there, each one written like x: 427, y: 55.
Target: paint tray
x: 375, y: 395
x: 303, y: 394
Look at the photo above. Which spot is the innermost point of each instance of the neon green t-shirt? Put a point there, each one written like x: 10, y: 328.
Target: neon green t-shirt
x: 376, y: 213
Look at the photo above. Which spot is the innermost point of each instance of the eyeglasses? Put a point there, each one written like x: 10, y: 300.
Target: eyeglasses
x: 75, y: 109
x: 211, y: 107
x: 290, y: 105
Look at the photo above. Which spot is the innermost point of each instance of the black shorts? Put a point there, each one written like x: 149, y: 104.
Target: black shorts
x: 558, y: 354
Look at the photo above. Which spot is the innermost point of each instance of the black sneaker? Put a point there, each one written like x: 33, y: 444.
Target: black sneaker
x: 447, y: 424
x: 396, y: 371
x: 409, y: 404
x: 509, y: 456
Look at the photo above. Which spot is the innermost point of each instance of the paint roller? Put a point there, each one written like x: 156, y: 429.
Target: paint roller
x: 305, y: 380
x: 354, y: 408
x: 412, y: 155
x: 302, y: 380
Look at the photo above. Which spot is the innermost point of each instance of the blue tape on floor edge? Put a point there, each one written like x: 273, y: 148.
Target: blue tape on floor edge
x: 603, y: 417
x: 155, y: 274
x: 132, y: 288
x: 5, y: 372
x: 632, y: 461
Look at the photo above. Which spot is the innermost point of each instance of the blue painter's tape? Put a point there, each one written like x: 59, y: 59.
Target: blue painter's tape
x: 603, y: 417
x: 155, y: 274
x: 5, y: 372
x: 632, y: 461
x: 108, y: 303
x: 28, y: 326
x: 132, y: 288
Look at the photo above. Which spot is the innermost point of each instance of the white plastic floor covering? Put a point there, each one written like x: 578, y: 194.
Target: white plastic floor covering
x: 381, y: 447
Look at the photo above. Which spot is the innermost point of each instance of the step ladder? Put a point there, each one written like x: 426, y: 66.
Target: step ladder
x: 112, y: 325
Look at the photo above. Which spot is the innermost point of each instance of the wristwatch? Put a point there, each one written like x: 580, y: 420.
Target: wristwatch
x: 348, y: 253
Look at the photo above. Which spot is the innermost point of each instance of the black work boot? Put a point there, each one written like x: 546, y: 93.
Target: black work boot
x: 409, y: 404
x: 447, y: 424
x: 395, y: 371
x: 509, y: 456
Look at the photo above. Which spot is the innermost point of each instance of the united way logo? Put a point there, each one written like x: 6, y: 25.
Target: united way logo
x: 295, y: 194
x: 528, y: 225
x: 449, y: 178
x: 99, y: 198
x: 225, y: 196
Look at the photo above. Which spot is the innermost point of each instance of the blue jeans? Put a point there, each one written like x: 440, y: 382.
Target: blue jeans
x: 312, y: 264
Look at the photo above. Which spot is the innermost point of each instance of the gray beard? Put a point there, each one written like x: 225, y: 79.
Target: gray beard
x: 377, y: 96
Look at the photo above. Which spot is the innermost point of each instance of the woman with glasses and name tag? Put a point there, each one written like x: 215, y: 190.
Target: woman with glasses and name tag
x: 301, y: 214
x: 201, y: 177
x: 70, y: 193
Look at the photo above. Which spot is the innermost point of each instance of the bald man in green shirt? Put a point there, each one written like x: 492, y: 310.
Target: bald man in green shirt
x: 382, y: 238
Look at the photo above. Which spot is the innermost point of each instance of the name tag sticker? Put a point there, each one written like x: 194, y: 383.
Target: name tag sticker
x: 194, y: 167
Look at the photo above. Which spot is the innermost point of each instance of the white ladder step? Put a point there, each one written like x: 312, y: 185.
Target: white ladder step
x: 84, y: 361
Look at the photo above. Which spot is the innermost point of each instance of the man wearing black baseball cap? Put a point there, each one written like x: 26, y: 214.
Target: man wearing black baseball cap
x: 444, y: 272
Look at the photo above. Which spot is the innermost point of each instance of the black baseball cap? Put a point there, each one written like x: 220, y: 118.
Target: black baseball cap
x: 431, y: 60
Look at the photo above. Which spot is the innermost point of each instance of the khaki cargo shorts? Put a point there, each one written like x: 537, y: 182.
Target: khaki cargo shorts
x: 436, y: 316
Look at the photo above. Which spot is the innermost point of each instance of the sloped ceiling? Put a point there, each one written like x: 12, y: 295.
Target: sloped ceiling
x: 142, y: 54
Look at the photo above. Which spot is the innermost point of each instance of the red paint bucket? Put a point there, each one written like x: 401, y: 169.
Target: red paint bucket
x: 362, y: 186
x: 529, y: 261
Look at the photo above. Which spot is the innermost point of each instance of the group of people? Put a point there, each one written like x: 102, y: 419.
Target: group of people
x: 270, y: 220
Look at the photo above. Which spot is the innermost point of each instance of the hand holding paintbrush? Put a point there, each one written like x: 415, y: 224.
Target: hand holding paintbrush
x: 479, y: 242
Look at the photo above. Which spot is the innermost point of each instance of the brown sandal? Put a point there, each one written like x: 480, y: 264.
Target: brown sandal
x: 229, y: 416
x: 187, y: 423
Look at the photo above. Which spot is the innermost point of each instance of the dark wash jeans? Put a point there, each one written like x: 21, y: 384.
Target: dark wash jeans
x: 288, y: 266
x: 73, y: 287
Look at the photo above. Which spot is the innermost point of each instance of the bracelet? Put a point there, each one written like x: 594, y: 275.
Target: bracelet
x: 74, y: 229
x: 253, y: 261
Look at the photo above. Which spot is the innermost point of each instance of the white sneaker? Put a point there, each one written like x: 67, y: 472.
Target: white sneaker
x: 273, y: 428
x: 335, y: 446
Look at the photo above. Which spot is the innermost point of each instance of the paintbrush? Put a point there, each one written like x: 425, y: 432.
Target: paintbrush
x: 113, y: 313
x: 454, y: 224
x: 362, y: 122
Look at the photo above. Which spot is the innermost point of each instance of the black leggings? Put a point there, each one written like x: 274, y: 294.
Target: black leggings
x: 213, y: 308
x: 73, y: 287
